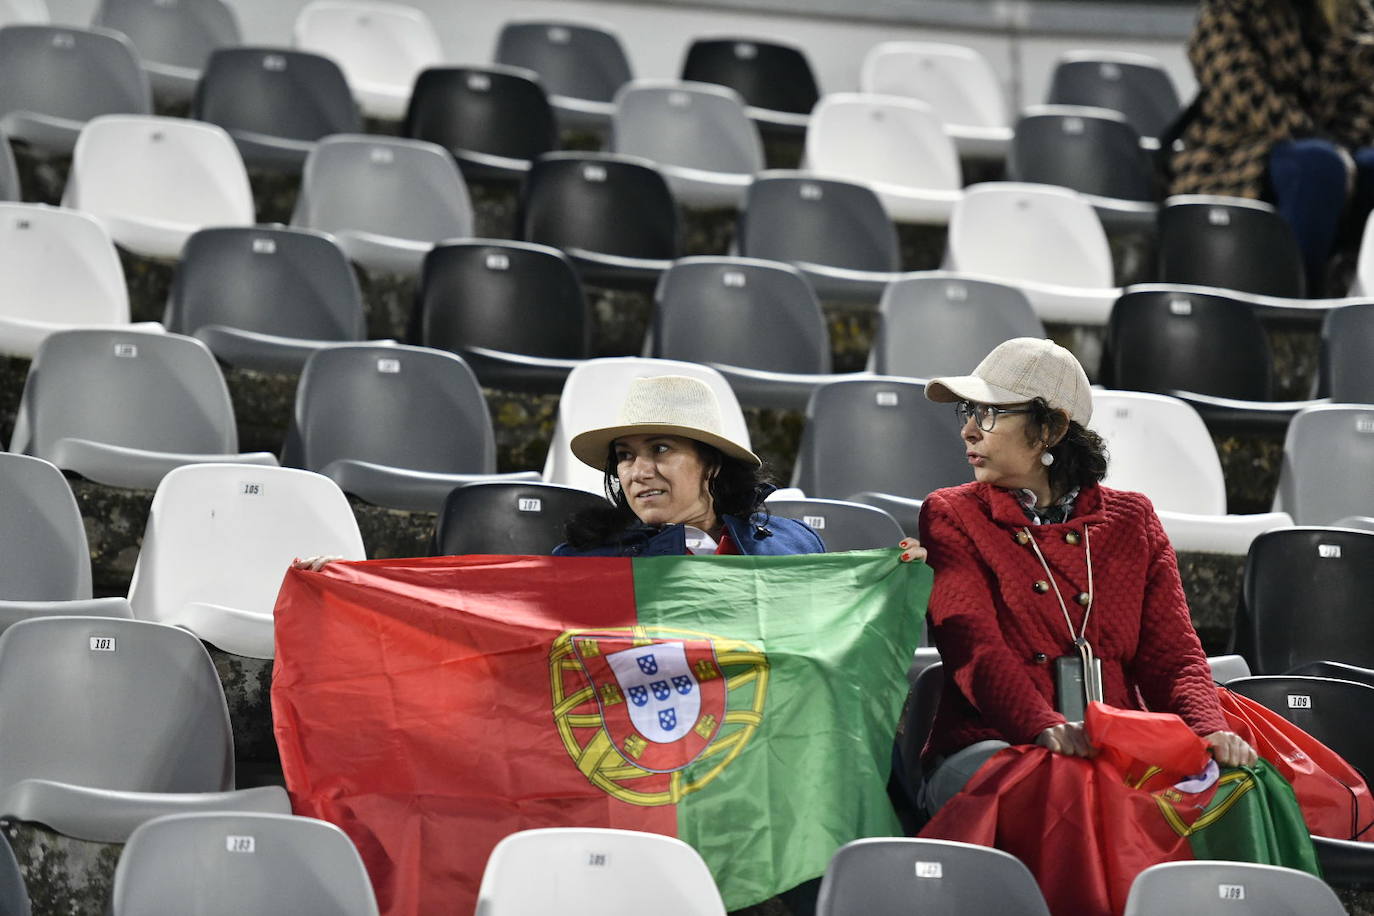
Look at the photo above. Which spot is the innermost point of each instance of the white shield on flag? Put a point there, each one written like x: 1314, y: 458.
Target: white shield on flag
x: 662, y: 696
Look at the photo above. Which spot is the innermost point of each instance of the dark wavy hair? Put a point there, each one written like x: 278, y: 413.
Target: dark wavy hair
x: 1080, y: 455
x: 738, y: 488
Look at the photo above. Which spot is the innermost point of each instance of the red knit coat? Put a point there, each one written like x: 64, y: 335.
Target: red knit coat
x: 998, y: 636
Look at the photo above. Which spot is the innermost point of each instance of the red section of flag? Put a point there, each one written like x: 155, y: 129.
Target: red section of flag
x: 379, y: 662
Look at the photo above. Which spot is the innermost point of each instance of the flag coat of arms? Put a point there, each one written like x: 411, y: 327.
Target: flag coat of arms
x: 746, y: 705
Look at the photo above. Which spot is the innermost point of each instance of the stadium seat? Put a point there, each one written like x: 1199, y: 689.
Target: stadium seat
x: 592, y: 397
x: 19, y: 12
x: 842, y: 525
x: 58, y: 269
x: 757, y: 322
x: 275, y: 103
x: 381, y: 48
x: 955, y: 80
x: 515, y: 311
x: 581, y: 65
x: 387, y: 200
x: 124, y: 408
x: 173, y: 40
x: 493, y: 120
x: 265, y: 298
x: 1358, y: 522
x: 1332, y: 711
x: 14, y: 896
x: 1136, y: 85
x: 1093, y: 151
x: 698, y: 136
x: 1046, y: 240
x: 1240, y: 888
x: 219, y: 539
x: 522, y: 519
x: 10, y: 187
x: 587, y: 871
x: 896, y: 146
x: 917, y: 718
x: 905, y: 510
x: 426, y: 428
x: 1346, y: 372
x: 1160, y: 447
x: 46, y: 563
x: 855, y: 429
x: 1226, y: 668
x: 54, y: 79
x: 1328, y: 457
x: 836, y: 232
x: 152, y: 182
x: 885, y: 877
x: 222, y: 864
x: 939, y: 323
x: 1304, y: 598
x: 119, y: 721
x: 1229, y: 243
x: 613, y: 215
x: 775, y: 80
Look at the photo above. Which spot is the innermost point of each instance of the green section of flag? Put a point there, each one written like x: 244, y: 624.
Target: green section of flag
x: 838, y: 632
x: 1254, y: 817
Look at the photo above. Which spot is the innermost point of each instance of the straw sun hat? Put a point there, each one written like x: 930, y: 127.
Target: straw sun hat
x: 1021, y: 370
x: 664, y: 405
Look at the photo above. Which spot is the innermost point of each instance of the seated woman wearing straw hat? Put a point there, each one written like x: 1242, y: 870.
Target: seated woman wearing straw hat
x: 677, y: 483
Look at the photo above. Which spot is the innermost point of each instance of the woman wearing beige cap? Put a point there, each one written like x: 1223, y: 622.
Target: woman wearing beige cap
x: 677, y: 483
x: 1050, y: 589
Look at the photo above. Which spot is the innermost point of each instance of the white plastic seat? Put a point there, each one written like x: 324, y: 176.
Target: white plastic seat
x: 381, y: 47
x: 897, y: 146
x: 173, y: 39
x: 1047, y: 241
x: 154, y: 181
x: 1228, y: 667
x: 1159, y: 446
x: 24, y: 12
x: 955, y: 80
x: 220, y: 537
x: 588, y: 871
x: 1204, y: 888
x: 592, y: 397
x: 1328, y: 459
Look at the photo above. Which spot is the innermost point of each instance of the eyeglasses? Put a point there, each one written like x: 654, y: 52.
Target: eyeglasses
x: 985, y: 415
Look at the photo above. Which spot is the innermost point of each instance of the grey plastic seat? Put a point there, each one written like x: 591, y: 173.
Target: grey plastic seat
x: 905, y: 510
x: 775, y: 80
x: 387, y: 200
x: 1136, y: 85
x: 757, y: 322
x: 886, y: 877
x: 10, y: 188
x: 1346, y: 372
x: 124, y: 408
x: 120, y: 721
x: 1332, y: 711
x: 14, y: 896
x: 45, y: 567
x: 1328, y: 460
x: 944, y: 324
x: 221, y: 864
x: 854, y: 428
x: 508, y: 518
x: 173, y: 40
x: 53, y: 79
x: 837, y: 232
x: 581, y: 65
x: 1231, y: 888
x: 697, y: 134
x: 1358, y: 522
x: 263, y: 297
x: 842, y: 525
x: 1233, y: 243
x: 427, y: 428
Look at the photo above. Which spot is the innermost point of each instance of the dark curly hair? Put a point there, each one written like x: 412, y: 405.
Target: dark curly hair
x: 738, y: 488
x: 1080, y: 455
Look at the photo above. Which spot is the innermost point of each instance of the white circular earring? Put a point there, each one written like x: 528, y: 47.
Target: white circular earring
x: 1046, y: 459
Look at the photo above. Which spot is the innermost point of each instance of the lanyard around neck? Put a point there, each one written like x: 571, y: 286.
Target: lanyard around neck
x: 1091, y: 683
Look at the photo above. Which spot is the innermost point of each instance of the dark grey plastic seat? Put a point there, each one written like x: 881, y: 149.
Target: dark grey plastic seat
x: 221, y: 864
x: 53, y: 79
x: 775, y: 79
x: 905, y: 510
x: 45, y: 567
x: 1136, y: 85
x: 426, y: 427
x: 174, y: 40
x: 14, y: 896
x: 515, y: 311
x: 1335, y: 712
x: 10, y: 189
x: 508, y: 518
x: 1346, y: 372
x: 854, y: 428
x: 757, y: 322
x: 886, y: 877
x: 842, y: 525
x: 944, y: 324
x: 581, y: 65
x: 124, y: 408
x: 387, y: 200
x: 1231, y: 243
x: 276, y: 103
x: 1328, y: 462
x: 265, y: 298
x: 837, y: 232
x: 1229, y: 889
x: 118, y: 722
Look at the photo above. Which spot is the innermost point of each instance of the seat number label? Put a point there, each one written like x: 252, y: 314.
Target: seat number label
x: 1299, y: 701
x: 102, y: 643
x: 1231, y: 891
x: 886, y: 399
x: 815, y: 521
x: 530, y: 505
x: 240, y: 843
x: 598, y: 860
x: 929, y: 870
x: 1329, y: 551
x: 250, y: 489
x: 126, y: 350
x: 389, y: 366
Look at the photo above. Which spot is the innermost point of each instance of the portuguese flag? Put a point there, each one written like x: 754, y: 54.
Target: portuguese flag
x: 430, y: 707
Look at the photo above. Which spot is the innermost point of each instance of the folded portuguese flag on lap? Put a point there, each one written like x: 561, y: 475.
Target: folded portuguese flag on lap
x: 747, y: 705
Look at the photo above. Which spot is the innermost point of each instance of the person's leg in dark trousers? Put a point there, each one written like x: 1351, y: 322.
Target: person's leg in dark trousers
x: 1309, y: 179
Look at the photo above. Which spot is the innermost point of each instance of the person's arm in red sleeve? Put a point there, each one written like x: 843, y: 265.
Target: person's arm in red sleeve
x: 966, y: 631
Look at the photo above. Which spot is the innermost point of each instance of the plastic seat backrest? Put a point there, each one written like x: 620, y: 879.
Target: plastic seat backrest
x: 46, y: 556
x: 112, y: 704
x: 184, y: 33
x: 766, y: 74
x: 1206, y: 886
x: 1328, y: 457
x: 577, y: 60
x: 508, y: 518
x: 1138, y: 87
x: 888, y: 140
x: 601, y: 203
x: 1330, y: 710
x: 1229, y: 243
x: 1347, y: 372
x: 70, y: 72
x: 817, y: 221
x: 386, y: 43
x: 842, y: 525
x: 14, y: 895
x: 1033, y: 232
x: 693, y: 125
x: 1091, y: 150
x: 1160, y: 447
x: 955, y: 80
x: 58, y: 265
x: 277, y: 92
x: 738, y: 312
x: 286, y: 282
x: 500, y: 111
